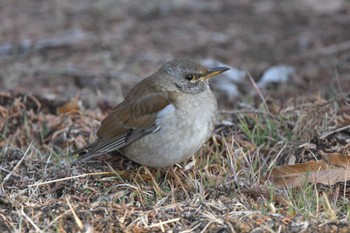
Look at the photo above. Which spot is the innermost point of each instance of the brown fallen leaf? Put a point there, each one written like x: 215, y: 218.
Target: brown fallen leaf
x: 328, y: 172
x: 71, y: 106
x: 337, y: 159
x: 295, y: 175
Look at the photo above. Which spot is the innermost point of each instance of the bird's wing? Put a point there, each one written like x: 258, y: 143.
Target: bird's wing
x: 129, y: 121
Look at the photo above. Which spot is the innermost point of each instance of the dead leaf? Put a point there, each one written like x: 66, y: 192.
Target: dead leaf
x: 337, y: 159
x: 316, y: 172
x: 71, y: 106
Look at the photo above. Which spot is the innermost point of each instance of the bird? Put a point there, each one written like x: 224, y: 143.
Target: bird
x: 163, y: 120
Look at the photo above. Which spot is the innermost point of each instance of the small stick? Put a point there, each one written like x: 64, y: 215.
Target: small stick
x: 76, y: 218
x: 71, y: 177
x: 37, y: 229
x: 334, y: 131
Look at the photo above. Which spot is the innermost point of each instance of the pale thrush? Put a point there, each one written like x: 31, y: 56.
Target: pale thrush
x: 163, y: 120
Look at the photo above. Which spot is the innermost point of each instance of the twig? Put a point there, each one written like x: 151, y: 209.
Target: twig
x: 193, y: 228
x: 273, y: 162
x: 8, y: 171
x: 37, y: 229
x: 17, y: 165
x: 71, y: 177
x: 55, y: 220
x: 334, y: 131
x: 162, y: 223
x: 258, y: 91
x: 156, y: 186
x: 206, y: 226
x: 76, y: 218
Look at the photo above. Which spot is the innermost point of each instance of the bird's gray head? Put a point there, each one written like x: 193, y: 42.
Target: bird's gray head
x: 189, y: 76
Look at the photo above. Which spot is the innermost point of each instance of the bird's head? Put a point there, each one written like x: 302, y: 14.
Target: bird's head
x: 189, y: 76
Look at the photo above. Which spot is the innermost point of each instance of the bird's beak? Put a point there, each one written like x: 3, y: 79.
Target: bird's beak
x: 213, y: 71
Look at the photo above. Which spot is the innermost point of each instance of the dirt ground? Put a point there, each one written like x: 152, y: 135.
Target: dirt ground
x: 132, y: 38
x: 54, y: 51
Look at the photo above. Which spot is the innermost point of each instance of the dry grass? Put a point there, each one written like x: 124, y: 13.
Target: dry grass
x: 222, y: 187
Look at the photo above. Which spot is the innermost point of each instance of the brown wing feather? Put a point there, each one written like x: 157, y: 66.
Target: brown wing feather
x: 139, y: 114
x: 129, y: 121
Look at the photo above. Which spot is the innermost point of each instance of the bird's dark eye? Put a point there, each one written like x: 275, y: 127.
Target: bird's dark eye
x: 189, y: 77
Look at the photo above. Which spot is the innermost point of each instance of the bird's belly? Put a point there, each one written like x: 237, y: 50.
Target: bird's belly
x: 182, y: 133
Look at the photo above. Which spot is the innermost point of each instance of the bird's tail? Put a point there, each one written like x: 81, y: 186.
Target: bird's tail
x: 85, y: 153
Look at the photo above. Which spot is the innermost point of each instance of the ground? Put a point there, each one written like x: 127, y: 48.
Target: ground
x: 65, y: 64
